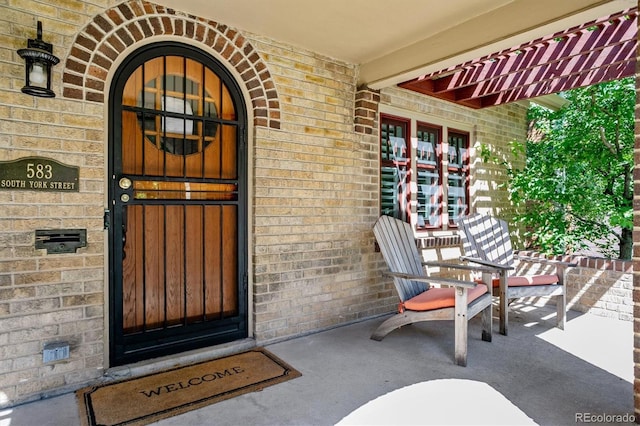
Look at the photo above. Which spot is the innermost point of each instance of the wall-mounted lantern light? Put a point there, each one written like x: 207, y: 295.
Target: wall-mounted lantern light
x: 38, y: 58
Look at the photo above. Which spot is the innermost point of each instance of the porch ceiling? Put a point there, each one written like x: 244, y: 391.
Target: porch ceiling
x: 413, y: 41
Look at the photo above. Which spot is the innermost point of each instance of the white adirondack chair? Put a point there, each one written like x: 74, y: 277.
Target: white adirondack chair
x: 486, y: 242
x: 460, y: 301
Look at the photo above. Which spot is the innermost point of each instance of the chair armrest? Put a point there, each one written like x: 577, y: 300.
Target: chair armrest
x: 461, y: 266
x: 495, y: 265
x: 422, y: 278
x: 543, y: 260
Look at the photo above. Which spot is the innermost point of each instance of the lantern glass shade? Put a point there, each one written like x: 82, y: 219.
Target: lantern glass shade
x: 38, y: 58
x: 38, y: 75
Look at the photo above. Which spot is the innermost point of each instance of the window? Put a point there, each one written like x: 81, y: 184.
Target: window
x: 421, y: 176
x: 394, y: 168
x: 169, y: 100
x: 429, y: 186
x: 458, y: 182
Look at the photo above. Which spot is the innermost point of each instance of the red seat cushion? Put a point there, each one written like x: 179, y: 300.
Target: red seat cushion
x: 436, y: 298
x: 517, y: 280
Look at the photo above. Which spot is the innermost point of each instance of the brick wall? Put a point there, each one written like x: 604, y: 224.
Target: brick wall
x: 314, y: 181
x: 47, y: 298
x: 601, y: 287
x: 312, y: 207
x: 598, y: 286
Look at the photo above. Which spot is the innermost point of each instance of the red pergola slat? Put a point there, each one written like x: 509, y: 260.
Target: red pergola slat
x: 598, y: 51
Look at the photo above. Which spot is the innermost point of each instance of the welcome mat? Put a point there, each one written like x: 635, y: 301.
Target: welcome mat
x: 156, y: 396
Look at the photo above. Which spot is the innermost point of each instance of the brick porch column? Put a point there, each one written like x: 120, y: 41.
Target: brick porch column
x: 366, y: 111
x: 636, y: 248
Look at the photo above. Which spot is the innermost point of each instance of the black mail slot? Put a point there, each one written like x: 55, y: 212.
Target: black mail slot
x: 61, y: 240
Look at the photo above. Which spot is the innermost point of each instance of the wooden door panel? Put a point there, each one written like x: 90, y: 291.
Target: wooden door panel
x: 213, y: 250
x: 131, y: 144
x: 228, y: 111
x: 132, y: 276
x: 198, y: 277
x: 229, y: 259
x: 229, y: 160
x: 174, y: 253
x: 213, y: 158
x: 132, y: 88
x: 194, y: 263
x: 153, y: 264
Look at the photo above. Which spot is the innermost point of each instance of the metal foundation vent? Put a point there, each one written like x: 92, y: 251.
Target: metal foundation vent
x: 55, y: 351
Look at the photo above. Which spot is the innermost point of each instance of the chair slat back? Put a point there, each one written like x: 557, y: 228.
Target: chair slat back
x: 487, y: 238
x: 400, y: 252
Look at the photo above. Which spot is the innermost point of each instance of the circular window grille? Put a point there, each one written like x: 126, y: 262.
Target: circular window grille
x: 175, y: 116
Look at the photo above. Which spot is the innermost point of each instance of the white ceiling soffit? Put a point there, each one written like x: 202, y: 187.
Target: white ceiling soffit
x: 398, y: 40
x: 355, y: 31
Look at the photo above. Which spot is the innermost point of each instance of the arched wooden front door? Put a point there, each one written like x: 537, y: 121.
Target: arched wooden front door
x: 177, y: 195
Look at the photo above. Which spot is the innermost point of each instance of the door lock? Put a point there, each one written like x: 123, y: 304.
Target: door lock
x: 125, y: 183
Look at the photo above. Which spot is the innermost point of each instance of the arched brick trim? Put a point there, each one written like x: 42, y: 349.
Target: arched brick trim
x: 101, y: 42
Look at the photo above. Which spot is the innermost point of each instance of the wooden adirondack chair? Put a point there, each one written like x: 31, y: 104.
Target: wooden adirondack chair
x: 486, y: 242
x: 418, y: 300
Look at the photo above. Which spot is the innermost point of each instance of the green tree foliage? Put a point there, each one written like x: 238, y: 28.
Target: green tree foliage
x: 577, y: 186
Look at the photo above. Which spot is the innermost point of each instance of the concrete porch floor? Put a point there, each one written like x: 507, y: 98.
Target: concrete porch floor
x: 548, y: 374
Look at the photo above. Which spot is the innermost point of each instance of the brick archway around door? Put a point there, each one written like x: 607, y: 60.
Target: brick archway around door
x: 101, y: 42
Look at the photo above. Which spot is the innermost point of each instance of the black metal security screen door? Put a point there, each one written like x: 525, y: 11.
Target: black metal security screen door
x: 178, y: 205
